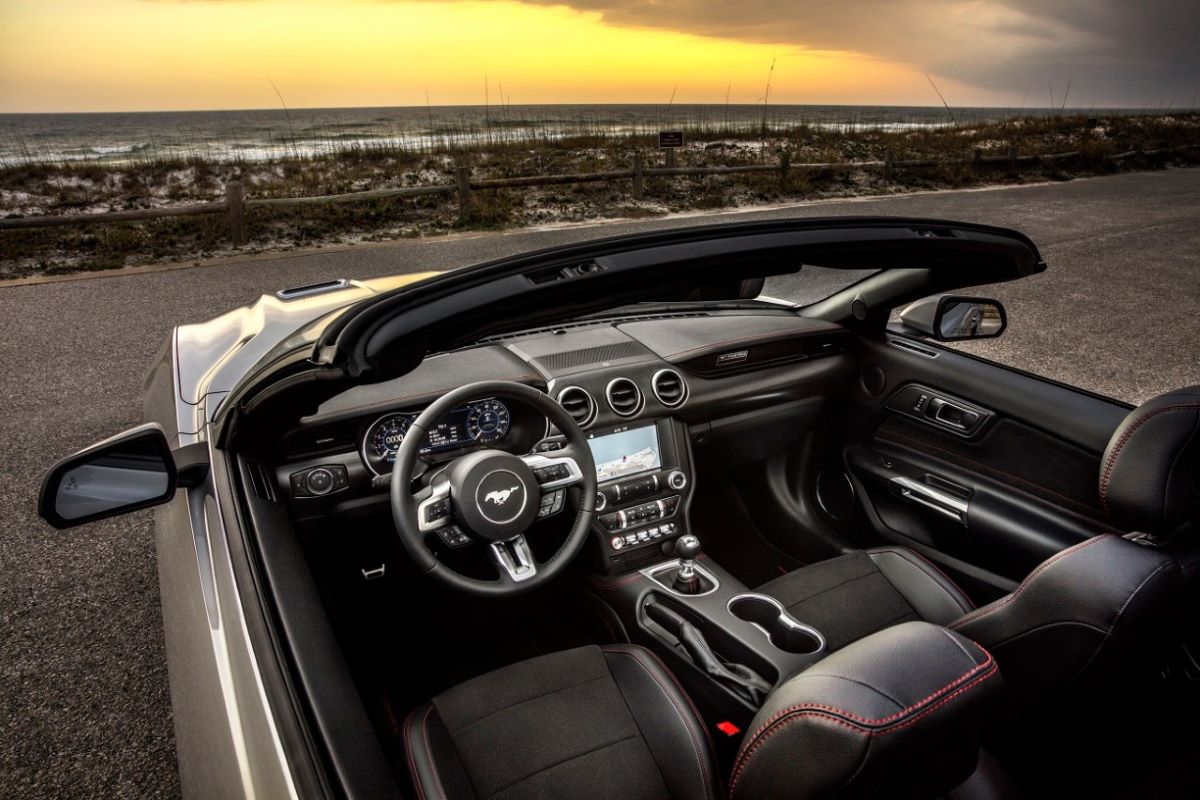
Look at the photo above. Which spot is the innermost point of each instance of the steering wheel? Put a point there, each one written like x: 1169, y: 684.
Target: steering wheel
x: 493, y: 497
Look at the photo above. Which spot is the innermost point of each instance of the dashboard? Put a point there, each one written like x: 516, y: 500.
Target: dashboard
x: 481, y: 422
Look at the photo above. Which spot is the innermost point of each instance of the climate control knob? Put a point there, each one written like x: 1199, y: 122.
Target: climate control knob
x: 677, y: 480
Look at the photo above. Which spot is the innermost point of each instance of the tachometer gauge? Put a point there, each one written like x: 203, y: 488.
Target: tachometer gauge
x: 385, y: 436
x: 487, y: 421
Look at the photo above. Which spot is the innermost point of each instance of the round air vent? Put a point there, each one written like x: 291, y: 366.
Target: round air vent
x: 669, y: 387
x: 579, y: 404
x: 624, y: 397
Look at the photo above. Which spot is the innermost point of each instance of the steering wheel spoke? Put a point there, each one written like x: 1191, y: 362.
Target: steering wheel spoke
x: 514, y: 560
x: 435, y: 511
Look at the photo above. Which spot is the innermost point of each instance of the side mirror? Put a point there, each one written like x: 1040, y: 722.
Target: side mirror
x: 950, y: 317
x: 130, y: 471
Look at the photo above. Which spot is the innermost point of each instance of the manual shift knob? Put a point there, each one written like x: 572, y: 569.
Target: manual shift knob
x: 687, y: 547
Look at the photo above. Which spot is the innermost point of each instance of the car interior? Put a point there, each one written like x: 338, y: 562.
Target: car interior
x: 701, y: 542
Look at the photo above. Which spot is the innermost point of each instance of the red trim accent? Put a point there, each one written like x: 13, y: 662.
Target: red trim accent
x: 1111, y: 461
x: 980, y: 613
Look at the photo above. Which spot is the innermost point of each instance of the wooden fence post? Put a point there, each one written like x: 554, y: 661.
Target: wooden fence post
x: 889, y: 164
x: 670, y: 158
x: 235, y: 208
x: 785, y: 166
x: 1012, y: 158
x: 639, y: 178
x: 977, y: 161
x: 462, y: 176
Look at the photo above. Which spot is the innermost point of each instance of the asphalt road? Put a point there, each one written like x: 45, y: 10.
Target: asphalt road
x: 83, y: 683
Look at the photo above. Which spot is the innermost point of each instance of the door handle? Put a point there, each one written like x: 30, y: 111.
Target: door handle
x: 925, y: 495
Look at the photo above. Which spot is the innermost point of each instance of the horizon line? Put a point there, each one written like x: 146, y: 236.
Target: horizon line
x: 1020, y: 109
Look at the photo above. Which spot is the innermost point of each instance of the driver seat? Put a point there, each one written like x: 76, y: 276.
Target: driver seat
x: 590, y: 723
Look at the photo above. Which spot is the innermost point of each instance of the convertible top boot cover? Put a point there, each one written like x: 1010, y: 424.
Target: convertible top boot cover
x: 897, y: 714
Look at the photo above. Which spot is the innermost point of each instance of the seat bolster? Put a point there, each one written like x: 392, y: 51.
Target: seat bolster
x: 927, y: 589
x: 437, y: 771
x: 674, y: 731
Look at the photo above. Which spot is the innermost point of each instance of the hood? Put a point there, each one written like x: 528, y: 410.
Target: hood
x: 211, y: 357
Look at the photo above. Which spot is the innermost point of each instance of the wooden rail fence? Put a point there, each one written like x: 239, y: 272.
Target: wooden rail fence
x: 235, y: 204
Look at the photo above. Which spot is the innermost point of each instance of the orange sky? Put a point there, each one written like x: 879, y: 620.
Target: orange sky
x: 133, y: 55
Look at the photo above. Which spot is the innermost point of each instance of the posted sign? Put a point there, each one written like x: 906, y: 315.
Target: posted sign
x: 668, y: 139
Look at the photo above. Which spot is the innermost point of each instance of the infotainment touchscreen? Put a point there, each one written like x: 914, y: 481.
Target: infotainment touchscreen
x: 626, y: 452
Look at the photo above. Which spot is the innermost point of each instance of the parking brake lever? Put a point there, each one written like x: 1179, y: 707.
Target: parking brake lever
x: 737, y: 676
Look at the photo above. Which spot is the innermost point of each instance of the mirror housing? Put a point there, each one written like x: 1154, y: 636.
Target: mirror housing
x: 130, y: 471
x: 952, y: 318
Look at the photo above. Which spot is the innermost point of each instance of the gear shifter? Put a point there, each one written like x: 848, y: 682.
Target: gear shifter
x: 687, y: 581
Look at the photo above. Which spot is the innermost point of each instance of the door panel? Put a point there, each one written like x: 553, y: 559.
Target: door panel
x: 986, y: 469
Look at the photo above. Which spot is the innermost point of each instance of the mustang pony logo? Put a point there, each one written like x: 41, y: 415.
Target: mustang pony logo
x: 500, y: 496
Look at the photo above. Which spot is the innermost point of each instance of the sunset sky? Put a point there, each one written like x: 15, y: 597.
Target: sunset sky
x: 135, y: 55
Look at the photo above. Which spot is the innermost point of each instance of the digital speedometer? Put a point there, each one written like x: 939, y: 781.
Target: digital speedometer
x: 386, y: 435
x: 487, y: 421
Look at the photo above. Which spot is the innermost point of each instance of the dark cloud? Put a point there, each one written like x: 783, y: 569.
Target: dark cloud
x: 1114, y: 52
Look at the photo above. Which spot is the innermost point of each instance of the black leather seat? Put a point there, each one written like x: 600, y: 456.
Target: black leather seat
x: 897, y: 714
x: 1075, y: 616
x: 587, y: 724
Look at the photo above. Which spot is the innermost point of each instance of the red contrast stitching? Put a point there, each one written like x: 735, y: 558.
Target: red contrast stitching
x: 682, y: 716
x: 803, y: 712
x: 980, y: 667
x: 1111, y: 461
x: 429, y: 753
x: 964, y: 601
x: 412, y: 763
x: 999, y: 604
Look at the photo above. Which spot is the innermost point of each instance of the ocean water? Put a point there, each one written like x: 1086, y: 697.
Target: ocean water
x: 274, y: 133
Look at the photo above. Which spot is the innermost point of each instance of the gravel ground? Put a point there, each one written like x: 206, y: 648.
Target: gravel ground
x: 82, y: 669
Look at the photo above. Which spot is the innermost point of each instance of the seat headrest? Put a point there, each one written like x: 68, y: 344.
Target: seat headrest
x: 896, y: 714
x: 1150, y: 472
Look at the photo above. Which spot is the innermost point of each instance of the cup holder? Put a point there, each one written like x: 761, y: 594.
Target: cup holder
x: 782, y: 631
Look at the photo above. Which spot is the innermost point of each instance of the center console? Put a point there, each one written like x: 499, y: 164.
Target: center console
x: 730, y: 645
x: 645, y: 486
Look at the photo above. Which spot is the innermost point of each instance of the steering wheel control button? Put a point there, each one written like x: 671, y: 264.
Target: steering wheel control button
x: 437, y: 509
x: 552, y: 503
x: 453, y: 536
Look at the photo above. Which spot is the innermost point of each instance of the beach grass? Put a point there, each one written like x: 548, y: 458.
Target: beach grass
x: 512, y: 147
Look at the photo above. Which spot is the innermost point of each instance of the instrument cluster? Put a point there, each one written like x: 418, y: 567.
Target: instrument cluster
x: 482, y: 422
